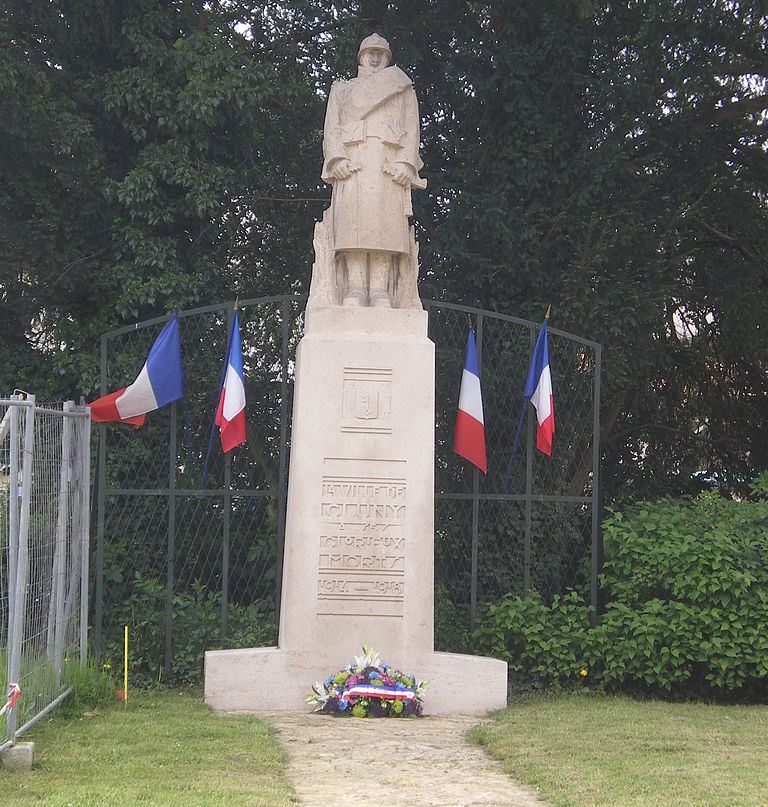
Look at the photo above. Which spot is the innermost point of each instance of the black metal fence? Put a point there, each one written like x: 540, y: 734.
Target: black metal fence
x: 192, y: 568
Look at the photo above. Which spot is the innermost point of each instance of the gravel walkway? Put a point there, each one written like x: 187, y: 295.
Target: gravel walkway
x: 351, y: 762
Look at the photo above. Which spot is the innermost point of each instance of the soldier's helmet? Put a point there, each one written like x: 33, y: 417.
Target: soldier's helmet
x: 375, y: 41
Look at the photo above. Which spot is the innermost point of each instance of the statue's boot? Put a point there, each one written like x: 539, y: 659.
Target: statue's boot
x: 356, y: 294
x: 378, y: 297
x: 355, y: 297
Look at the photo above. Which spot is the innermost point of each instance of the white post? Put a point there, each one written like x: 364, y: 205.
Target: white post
x: 22, y: 559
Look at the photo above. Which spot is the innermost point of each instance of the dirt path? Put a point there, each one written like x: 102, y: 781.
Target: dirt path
x: 350, y: 762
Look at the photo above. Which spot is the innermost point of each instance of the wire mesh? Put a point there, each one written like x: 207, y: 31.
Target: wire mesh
x: 45, y: 492
x: 208, y: 573
x: 195, y: 568
x: 533, y: 527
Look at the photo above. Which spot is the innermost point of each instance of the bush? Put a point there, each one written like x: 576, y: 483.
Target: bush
x: 196, y: 628
x: 687, y: 612
x: 544, y: 643
x: 688, y: 589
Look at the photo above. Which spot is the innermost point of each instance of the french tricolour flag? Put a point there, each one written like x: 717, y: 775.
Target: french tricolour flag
x: 160, y: 382
x: 538, y: 389
x: 230, y: 414
x: 469, y: 437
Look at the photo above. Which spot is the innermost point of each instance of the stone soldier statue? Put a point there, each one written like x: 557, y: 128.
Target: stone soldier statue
x: 371, y: 158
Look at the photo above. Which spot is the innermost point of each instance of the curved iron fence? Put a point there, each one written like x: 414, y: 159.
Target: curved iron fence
x: 192, y: 568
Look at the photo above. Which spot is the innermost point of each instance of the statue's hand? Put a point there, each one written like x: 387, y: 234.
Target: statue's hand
x: 342, y: 169
x: 402, y: 173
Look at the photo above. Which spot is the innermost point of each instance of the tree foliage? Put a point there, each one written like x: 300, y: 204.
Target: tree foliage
x: 608, y: 158
x: 141, y: 141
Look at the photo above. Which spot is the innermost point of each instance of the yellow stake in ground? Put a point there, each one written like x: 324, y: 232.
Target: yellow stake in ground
x: 125, y: 667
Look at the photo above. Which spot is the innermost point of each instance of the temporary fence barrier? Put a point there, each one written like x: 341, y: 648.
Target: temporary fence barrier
x: 44, y: 557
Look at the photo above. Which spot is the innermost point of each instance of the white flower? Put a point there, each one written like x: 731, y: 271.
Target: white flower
x: 370, y: 658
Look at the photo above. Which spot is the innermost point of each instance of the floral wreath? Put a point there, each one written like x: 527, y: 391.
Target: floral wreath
x: 367, y: 687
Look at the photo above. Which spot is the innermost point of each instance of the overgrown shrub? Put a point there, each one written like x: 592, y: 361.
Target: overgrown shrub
x: 196, y: 628
x: 687, y: 611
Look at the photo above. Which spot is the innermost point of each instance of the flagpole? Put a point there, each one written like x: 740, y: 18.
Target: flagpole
x: 204, y: 475
x: 508, y: 475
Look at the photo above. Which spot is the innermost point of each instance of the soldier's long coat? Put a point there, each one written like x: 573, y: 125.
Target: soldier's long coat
x: 373, y: 121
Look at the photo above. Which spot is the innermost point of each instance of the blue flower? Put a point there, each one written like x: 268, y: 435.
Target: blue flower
x: 329, y: 680
x: 342, y: 704
x: 374, y: 675
x: 386, y: 667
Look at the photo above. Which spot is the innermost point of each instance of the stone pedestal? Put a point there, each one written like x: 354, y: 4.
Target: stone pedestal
x: 359, y: 545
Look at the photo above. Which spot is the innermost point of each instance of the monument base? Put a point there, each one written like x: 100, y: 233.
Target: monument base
x: 258, y: 679
x: 359, y: 537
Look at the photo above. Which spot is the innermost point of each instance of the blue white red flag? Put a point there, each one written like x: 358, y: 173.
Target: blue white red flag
x: 469, y: 437
x: 230, y: 414
x: 538, y: 389
x: 160, y: 382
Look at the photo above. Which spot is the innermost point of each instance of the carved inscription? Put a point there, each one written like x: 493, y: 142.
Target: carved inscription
x: 366, y: 401
x: 362, y: 546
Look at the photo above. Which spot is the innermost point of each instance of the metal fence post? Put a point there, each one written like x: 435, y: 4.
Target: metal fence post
x: 227, y: 499
x: 596, y: 490
x: 22, y: 558
x: 85, y: 529
x: 56, y: 605
x: 171, y: 543
x: 77, y: 490
x: 475, y: 502
x: 13, y: 518
x: 527, y: 548
x: 101, y: 484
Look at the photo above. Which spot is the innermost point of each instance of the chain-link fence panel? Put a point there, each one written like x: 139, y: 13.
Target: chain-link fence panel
x: 45, y: 462
x: 195, y: 564
x: 189, y: 540
x: 531, y: 522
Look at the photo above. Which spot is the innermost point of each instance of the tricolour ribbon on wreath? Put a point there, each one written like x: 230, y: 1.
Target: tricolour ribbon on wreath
x: 383, y: 693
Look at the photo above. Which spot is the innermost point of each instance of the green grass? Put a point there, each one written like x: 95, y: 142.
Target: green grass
x: 165, y: 749
x: 598, y: 751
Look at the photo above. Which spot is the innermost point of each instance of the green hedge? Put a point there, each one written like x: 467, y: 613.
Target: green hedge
x: 687, y: 611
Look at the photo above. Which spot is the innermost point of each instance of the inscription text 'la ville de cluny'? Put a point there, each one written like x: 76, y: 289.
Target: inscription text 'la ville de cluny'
x: 362, y: 546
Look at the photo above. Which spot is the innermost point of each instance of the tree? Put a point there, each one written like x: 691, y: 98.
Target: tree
x: 608, y: 158
x: 140, y: 144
